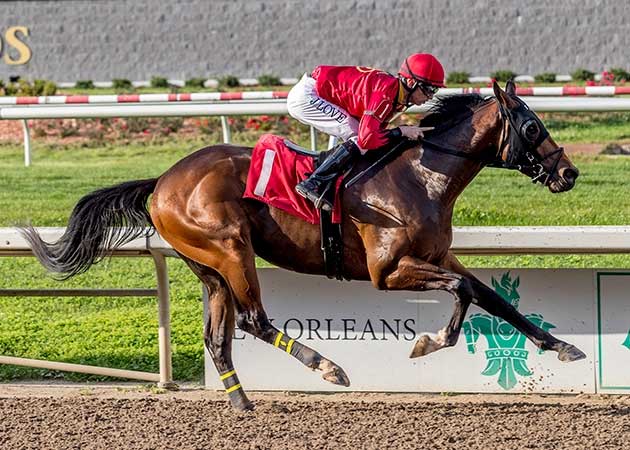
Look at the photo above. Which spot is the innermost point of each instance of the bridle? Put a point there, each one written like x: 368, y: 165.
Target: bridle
x: 524, y: 132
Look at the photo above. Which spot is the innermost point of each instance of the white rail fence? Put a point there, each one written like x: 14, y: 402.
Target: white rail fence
x: 571, y: 91
x: 466, y: 240
x: 224, y: 109
x: 13, y: 245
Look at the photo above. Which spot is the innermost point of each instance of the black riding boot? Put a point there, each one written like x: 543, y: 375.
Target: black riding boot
x: 313, y: 188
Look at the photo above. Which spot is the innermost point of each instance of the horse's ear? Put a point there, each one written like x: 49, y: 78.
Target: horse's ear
x: 510, y: 87
x: 502, y: 97
x: 497, y: 89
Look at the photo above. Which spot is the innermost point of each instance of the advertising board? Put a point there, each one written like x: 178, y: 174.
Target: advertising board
x: 370, y: 334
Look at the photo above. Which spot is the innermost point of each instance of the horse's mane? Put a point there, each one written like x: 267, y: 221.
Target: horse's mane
x: 450, y: 107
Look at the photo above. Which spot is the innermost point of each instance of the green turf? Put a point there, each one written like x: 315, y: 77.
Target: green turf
x: 123, y: 332
x: 45, y: 193
x: 588, y: 127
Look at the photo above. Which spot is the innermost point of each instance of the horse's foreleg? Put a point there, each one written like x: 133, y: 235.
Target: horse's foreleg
x: 240, y: 273
x: 492, y: 302
x: 219, y: 331
x: 413, y: 274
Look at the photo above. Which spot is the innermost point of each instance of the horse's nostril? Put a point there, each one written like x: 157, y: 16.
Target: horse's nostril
x: 570, y: 175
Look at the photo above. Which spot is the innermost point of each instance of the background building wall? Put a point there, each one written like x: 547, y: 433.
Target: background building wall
x: 101, y: 40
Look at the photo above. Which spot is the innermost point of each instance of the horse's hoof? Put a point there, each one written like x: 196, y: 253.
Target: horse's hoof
x: 568, y: 353
x: 243, y: 406
x: 241, y: 402
x: 423, y: 346
x: 336, y: 375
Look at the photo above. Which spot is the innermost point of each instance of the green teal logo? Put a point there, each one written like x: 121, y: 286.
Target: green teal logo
x: 506, y: 354
x: 626, y: 343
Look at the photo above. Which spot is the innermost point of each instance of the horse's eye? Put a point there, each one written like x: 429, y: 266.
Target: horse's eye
x: 531, y: 130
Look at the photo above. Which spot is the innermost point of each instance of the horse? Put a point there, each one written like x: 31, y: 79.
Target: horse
x: 397, y: 227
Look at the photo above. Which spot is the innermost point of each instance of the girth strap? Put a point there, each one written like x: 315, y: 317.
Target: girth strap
x: 331, y: 244
x: 331, y: 241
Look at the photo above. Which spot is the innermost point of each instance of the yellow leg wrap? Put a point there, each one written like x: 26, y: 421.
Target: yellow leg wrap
x: 233, y: 388
x: 278, y: 342
x: 278, y: 339
x: 227, y: 375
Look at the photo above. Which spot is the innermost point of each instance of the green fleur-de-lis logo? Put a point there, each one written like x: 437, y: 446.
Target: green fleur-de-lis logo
x: 506, y: 354
x: 626, y: 343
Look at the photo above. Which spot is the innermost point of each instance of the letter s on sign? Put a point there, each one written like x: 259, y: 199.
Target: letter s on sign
x: 12, y: 39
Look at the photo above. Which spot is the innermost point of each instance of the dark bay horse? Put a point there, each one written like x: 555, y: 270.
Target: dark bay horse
x: 396, y: 227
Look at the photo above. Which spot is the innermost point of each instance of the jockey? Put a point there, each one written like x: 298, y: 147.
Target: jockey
x: 355, y: 104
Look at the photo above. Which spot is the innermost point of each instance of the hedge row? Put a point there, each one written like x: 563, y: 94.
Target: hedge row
x: 26, y: 88
x: 20, y: 87
x: 614, y: 74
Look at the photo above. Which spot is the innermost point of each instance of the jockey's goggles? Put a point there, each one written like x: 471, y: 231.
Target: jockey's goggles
x: 428, y: 90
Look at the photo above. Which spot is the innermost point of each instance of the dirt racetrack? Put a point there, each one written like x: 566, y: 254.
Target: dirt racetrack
x: 80, y: 417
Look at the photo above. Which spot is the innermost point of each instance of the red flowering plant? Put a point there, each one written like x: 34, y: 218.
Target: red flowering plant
x: 620, y: 75
x: 280, y: 125
x: 608, y: 79
x: 210, y: 125
x: 252, y: 123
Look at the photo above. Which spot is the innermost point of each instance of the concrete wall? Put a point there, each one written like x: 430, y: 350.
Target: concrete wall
x: 101, y: 40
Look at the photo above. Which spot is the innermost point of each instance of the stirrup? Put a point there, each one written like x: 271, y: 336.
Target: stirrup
x: 316, y: 199
x: 323, y: 204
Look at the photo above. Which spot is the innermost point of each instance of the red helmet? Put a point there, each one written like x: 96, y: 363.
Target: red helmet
x: 423, y: 67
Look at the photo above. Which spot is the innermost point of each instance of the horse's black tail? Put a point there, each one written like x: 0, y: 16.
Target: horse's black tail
x: 100, y: 222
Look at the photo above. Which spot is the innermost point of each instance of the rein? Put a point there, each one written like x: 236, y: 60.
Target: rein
x: 533, y: 164
x: 454, y: 151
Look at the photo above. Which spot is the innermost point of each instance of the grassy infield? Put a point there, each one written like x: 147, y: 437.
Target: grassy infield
x: 122, y: 332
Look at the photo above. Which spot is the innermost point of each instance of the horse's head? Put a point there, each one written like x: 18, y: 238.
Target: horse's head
x: 526, y: 145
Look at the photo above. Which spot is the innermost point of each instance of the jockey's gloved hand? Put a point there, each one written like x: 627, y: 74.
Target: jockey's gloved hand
x: 412, y: 132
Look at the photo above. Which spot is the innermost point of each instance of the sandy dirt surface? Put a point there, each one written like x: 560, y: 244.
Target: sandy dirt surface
x: 135, y: 417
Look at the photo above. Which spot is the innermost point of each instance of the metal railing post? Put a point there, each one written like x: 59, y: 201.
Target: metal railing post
x: 225, y: 126
x: 27, y: 143
x: 313, y: 139
x: 164, y: 322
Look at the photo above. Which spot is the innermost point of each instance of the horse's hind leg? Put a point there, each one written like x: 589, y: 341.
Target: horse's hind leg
x: 240, y: 272
x: 219, y: 331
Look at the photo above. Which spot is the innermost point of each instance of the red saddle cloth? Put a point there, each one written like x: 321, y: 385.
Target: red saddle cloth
x: 273, y: 174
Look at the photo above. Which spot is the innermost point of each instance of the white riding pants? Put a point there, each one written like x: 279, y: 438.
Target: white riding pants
x: 309, y: 108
